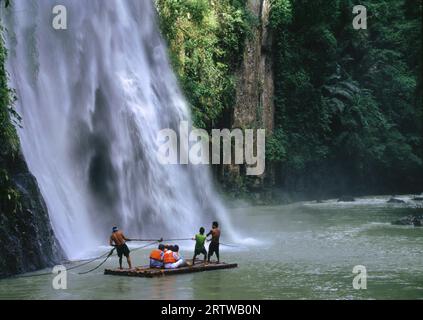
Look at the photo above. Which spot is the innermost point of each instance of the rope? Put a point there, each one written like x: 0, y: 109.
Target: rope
x: 229, y: 245
x: 108, y: 256
x: 145, y: 240
x: 147, y: 245
x: 87, y: 262
x: 108, y: 253
x: 160, y: 240
x: 184, y: 239
x: 111, y: 253
x: 67, y: 269
x: 35, y: 275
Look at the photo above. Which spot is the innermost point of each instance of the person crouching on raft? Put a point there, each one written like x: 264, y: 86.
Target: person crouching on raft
x: 156, y: 257
x: 214, y: 244
x: 118, y: 240
x: 200, y: 239
x: 172, y: 259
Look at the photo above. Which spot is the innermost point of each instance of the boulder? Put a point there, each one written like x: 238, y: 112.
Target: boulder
x: 416, y: 221
x: 395, y: 200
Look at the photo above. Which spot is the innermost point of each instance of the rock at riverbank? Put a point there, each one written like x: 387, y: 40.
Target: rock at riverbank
x: 416, y: 221
x: 395, y: 200
x: 346, y: 199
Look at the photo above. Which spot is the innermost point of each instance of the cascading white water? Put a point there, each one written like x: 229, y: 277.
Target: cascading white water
x: 92, y: 99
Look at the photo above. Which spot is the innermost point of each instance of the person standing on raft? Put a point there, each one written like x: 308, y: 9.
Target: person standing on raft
x: 118, y: 240
x: 214, y: 244
x: 200, y: 239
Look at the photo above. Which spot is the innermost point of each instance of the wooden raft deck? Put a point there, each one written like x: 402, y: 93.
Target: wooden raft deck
x: 147, y: 272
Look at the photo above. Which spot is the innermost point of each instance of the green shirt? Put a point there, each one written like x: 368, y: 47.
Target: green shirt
x: 200, y: 240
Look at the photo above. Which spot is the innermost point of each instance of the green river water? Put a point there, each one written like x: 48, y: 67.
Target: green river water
x: 299, y: 251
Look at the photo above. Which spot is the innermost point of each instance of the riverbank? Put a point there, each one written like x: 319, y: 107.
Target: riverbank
x: 276, y: 196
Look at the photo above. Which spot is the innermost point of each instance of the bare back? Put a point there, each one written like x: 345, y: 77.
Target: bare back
x: 117, y: 238
x: 215, y: 233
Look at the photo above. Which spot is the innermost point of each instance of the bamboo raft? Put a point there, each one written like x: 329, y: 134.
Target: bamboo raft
x: 147, y: 272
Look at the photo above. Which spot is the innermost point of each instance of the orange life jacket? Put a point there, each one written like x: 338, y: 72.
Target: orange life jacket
x: 156, y: 254
x: 168, y: 257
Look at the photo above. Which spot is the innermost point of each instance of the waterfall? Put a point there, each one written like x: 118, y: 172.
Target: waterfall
x: 92, y: 99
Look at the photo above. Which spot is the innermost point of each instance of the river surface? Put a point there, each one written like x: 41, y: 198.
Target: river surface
x: 299, y: 251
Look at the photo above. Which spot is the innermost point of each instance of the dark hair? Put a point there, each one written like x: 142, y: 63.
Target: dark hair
x: 175, y: 248
x: 215, y: 224
x: 161, y: 246
x: 202, y: 230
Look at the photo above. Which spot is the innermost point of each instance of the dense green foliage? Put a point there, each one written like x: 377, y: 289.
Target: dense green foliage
x: 206, y: 41
x: 348, y: 106
x: 348, y: 102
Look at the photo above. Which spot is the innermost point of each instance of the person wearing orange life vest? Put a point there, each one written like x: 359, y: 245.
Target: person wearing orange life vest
x: 172, y: 259
x: 156, y: 257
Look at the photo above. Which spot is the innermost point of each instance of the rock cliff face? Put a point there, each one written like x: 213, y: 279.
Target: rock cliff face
x: 254, y: 107
x: 27, y: 242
